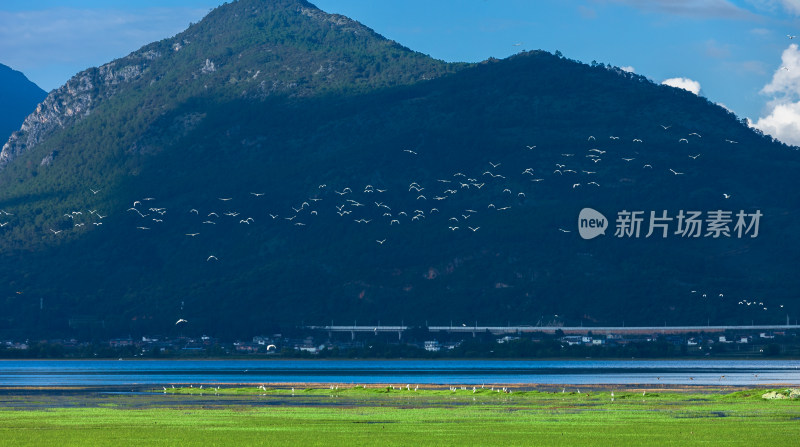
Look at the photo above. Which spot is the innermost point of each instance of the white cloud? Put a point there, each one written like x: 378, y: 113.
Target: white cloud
x: 690, y: 8
x: 684, y: 83
x: 782, y: 120
x: 783, y: 123
x: 786, y: 80
x: 790, y: 6
x: 628, y: 68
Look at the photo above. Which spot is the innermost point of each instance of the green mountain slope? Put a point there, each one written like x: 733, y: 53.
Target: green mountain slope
x: 313, y: 171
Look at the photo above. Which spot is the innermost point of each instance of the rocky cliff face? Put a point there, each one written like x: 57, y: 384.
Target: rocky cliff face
x: 73, y: 101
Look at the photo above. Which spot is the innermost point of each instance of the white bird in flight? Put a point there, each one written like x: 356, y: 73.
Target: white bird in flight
x: 212, y: 257
x: 181, y: 320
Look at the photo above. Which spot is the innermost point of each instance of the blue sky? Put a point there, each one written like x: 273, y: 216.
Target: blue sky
x: 736, y: 51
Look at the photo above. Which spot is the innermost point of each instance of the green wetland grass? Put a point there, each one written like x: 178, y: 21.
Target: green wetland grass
x: 385, y: 416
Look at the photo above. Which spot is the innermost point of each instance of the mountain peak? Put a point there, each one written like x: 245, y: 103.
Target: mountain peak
x: 251, y: 49
x: 273, y: 153
x: 19, y: 97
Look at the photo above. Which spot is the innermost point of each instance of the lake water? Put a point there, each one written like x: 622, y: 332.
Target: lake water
x: 162, y: 372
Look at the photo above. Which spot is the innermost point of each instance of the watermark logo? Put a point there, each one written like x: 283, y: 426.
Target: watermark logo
x: 685, y: 224
x: 591, y: 223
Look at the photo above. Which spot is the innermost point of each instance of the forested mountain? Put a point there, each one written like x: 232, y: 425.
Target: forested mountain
x: 275, y: 165
x: 18, y: 97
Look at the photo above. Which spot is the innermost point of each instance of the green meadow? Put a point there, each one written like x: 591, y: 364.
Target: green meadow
x: 386, y: 416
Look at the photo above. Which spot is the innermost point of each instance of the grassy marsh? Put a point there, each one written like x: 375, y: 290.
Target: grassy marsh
x: 251, y: 415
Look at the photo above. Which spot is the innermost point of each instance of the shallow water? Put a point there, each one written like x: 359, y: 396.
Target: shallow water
x: 102, y: 373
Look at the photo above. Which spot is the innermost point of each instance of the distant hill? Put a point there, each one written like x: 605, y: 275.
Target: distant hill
x: 19, y: 97
x: 276, y: 165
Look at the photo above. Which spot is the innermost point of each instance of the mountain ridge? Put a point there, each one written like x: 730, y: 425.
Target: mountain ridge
x: 240, y: 208
x: 86, y: 90
x: 19, y: 97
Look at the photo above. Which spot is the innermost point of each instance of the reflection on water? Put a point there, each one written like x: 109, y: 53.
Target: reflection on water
x: 155, y: 372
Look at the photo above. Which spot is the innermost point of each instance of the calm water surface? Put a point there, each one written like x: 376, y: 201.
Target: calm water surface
x: 159, y: 372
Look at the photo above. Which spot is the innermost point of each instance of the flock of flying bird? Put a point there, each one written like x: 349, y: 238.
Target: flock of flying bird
x: 458, y: 202
x: 455, y: 202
